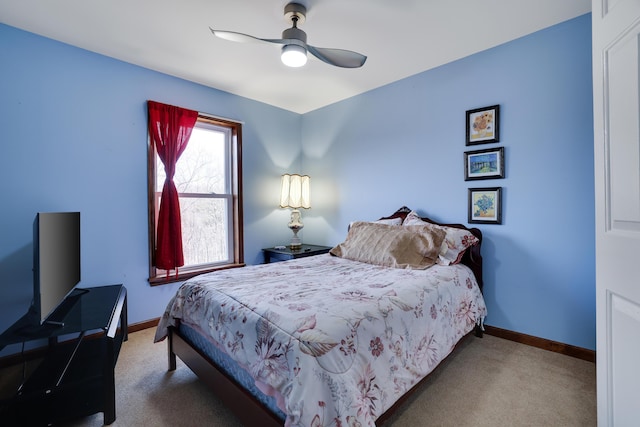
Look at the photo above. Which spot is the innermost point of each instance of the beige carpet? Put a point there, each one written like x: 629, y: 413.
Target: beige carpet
x: 485, y: 382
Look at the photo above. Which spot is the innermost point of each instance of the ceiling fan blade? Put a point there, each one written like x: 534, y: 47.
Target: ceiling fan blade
x: 338, y: 57
x: 242, y: 38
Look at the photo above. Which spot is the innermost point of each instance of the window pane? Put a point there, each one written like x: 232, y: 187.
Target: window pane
x: 202, y: 166
x: 204, y: 230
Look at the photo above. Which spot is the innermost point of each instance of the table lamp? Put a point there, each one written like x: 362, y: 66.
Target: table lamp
x: 294, y: 194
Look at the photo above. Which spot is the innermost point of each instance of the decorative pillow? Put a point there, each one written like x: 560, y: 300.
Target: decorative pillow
x: 390, y: 245
x: 391, y: 221
x: 455, y: 243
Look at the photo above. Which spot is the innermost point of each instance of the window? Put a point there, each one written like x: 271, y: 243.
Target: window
x: 208, y: 179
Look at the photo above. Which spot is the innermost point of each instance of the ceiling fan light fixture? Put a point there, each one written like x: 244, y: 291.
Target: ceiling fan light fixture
x: 293, y: 55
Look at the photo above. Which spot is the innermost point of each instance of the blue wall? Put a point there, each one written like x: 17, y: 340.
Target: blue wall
x: 74, y: 138
x: 403, y: 144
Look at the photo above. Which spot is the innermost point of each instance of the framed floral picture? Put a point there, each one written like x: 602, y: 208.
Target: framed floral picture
x: 484, y: 164
x: 485, y: 205
x: 483, y: 125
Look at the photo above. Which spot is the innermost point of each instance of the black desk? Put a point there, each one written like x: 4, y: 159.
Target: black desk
x: 76, y: 376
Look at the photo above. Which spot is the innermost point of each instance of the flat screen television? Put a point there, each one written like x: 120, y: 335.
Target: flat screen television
x: 56, y: 261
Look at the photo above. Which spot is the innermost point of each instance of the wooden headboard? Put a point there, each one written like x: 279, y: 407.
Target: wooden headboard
x: 472, y: 257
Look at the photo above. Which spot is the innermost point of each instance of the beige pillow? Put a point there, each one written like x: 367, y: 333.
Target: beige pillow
x: 455, y: 243
x: 391, y: 246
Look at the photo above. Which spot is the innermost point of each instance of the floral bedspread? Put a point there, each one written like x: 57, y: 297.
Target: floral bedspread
x: 337, y: 342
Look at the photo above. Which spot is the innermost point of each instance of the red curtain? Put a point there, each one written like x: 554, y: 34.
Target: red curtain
x: 169, y: 130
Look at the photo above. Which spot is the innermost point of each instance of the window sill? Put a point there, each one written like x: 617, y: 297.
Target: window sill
x: 182, y: 276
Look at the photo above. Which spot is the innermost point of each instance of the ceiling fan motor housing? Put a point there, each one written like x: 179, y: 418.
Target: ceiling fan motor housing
x: 295, y: 34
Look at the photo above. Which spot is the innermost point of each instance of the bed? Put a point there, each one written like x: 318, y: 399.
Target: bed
x: 336, y: 339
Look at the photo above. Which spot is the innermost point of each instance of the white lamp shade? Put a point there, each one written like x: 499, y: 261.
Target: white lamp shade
x: 293, y: 55
x: 294, y: 191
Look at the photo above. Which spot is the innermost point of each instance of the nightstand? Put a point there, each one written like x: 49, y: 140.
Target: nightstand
x: 273, y: 254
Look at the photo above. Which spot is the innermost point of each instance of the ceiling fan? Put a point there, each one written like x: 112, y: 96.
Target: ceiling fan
x: 294, y: 43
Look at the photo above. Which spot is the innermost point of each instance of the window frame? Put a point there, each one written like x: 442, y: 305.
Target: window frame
x: 236, y: 215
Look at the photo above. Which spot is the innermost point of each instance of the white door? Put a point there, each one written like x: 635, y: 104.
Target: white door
x: 616, y: 96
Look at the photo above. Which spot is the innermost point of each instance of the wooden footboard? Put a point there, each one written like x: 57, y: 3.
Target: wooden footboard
x: 247, y: 408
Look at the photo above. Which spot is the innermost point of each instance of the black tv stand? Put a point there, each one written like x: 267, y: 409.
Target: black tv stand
x: 76, y: 376
x: 57, y: 317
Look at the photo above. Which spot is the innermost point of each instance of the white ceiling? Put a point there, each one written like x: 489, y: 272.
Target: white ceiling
x: 400, y: 37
